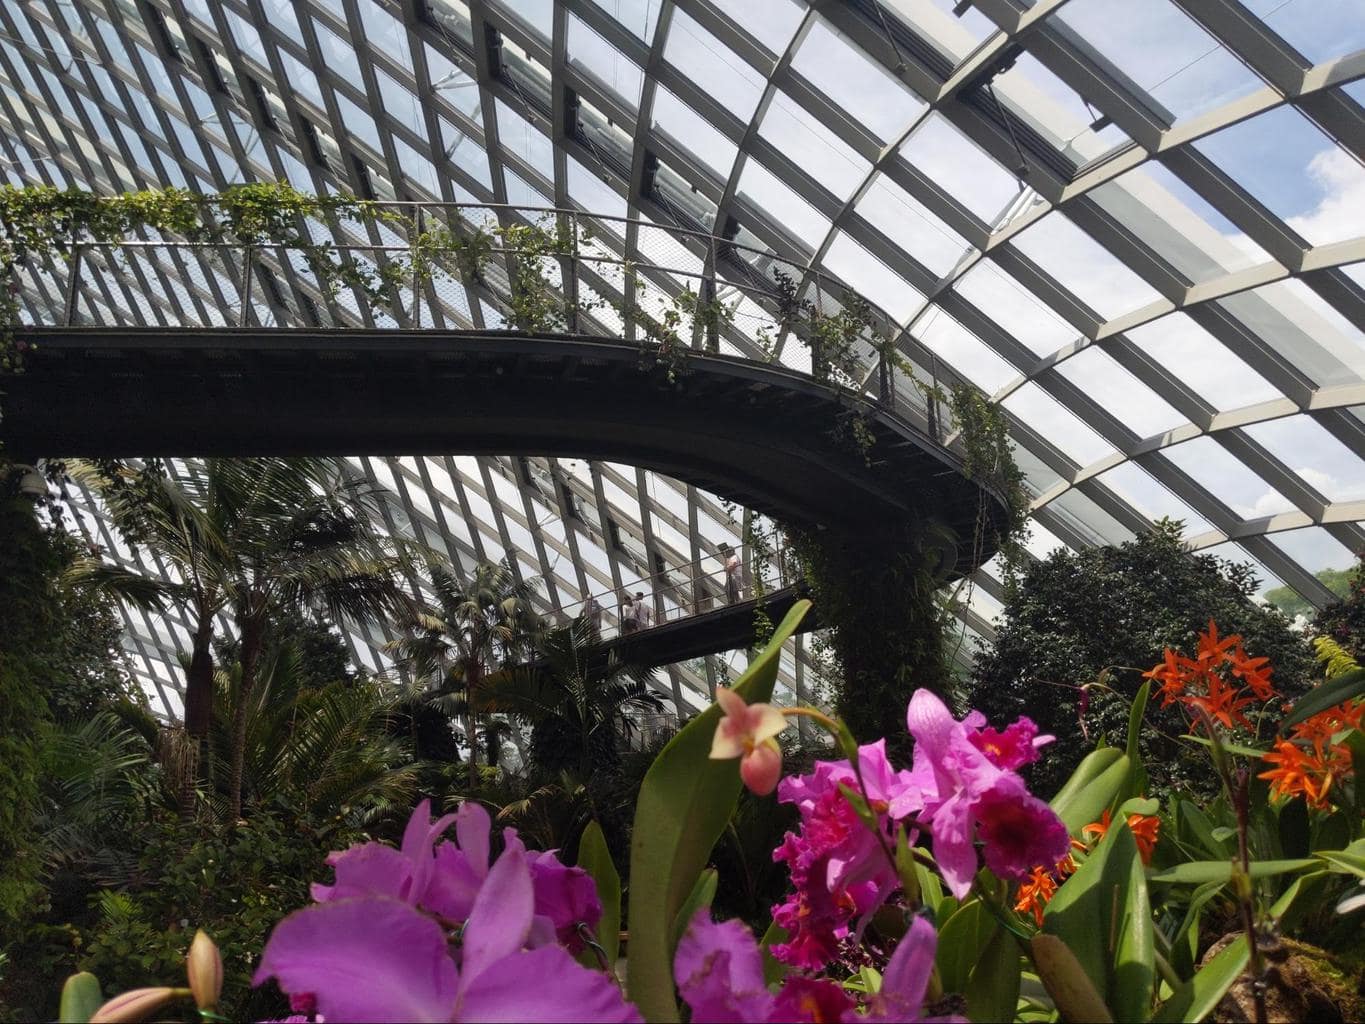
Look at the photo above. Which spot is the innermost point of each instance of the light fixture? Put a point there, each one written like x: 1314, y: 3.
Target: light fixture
x: 31, y: 482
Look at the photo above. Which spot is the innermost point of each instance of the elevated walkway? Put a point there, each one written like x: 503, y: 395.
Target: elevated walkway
x: 762, y: 435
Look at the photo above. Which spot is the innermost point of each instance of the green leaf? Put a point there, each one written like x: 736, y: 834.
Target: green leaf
x: 1190, y: 818
x: 774, y: 970
x: 595, y: 859
x: 1231, y: 748
x: 1090, y: 768
x: 961, y: 940
x: 1094, y: 914
x: 81, y: 997
x: 1342, y: 862
x: 1198, y: 872
x: 684, y: 803
x: 1092, y: 797
x: 1185, y: 939
x: 1346, y: 686
x: 1198, y: 997
x: 701, y: 896
x: 993, y: 989
x: 1137, y: 777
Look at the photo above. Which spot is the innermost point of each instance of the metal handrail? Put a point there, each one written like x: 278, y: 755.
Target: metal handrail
x: 724, y: 266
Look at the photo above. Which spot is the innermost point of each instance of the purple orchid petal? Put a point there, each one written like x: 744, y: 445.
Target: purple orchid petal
x: 372, y: 959
x: 453, y: 884
x: 544, y: 985
x: 500, y: 920
x: 472, y: 829
x: 952, y: 843
x: 719, y: 971
x: 907, y: 973
x: 567, y: 896
x: 367, y: 869
x: 812, y: 999
x: 1018, y: 831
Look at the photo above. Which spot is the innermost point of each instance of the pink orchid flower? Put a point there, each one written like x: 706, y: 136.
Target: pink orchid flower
x: 746, y: 732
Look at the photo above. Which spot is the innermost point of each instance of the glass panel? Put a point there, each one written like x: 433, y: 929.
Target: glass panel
x: 782, y: 205
x: 1334, y: 29
x: 1063, y: 428
x: 958, y: 165
x: 771, y: 22
x: 961, y: 349
x: 908, y: 223
x: 1142, y: 491
x: 692, y: 133
x: 869, y: 276
x: 1084, y: 267
x: 1286, y: 162
x: 1202, y: 363
x: 1126, y: 398
x: 1015, y: 309
x: 1055, y: 111
x: 852, y: 79
x: 714, y: 66
x: 593, y: 55
x: 1308, y: 332
x: 1163, y: 51
x: 1175, y: 222
x: 815, y: 149
x: 1220, y: 473
x: 1319, y: 459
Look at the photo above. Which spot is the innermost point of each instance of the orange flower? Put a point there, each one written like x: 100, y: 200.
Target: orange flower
x: 1304, y: 770
x: 1254, y: 672
x: 1173, y: 674
x: 1222, y: 703
x: 1213, y: 651
x: 1033, y: 895
x: 1144, y: 828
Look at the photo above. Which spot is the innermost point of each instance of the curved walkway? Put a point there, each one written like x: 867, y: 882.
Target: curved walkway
x: 763, y: 436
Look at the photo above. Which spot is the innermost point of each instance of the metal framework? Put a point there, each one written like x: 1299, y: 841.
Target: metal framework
x: 1137, y: 226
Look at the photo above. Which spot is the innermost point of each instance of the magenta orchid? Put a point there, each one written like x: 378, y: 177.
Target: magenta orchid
x: 746, y: 731
x: 377, y: 946
x: 963, y: 793
x: 719, y: 972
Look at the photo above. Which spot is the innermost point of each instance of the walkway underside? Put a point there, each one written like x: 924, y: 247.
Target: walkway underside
x: 760, y: 435
x: 728, y: 627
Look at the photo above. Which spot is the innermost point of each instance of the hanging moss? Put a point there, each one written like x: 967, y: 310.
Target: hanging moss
x: 885, y: 627
x: 28, y: 610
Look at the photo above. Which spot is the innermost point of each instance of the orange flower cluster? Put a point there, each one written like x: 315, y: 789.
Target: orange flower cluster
x: 1221, y: 679
x: 1308, y: 763
x: 1034, y: 894
x: 1144, y: 828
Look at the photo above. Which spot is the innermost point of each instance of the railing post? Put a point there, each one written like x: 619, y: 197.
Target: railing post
x: 72, y: 284
x: 245, y: 290
x: 818, y: 367
x: 416, y: 269
x: 931, y: 405
x: 713, y: 316
x: 569, y: 271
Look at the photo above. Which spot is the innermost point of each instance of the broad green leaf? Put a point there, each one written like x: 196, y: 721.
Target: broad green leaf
x: 1192, y: 820
x: 1344, y: 863
x: 595, y: 859
x: 1326, y: 695
x: 1091, y: 788
x: 1094, y: 911
x: 684, y: 803
x: 81, y: 997
x: 701, y: 896
x: 1137, y: 777
x: 993, y: 989
x: 1198, y: 872
x: 961, y: 940
x: 1231, y: 748
x: 774, y: 970
x: 1185, y: 939
x: 1067, y: 981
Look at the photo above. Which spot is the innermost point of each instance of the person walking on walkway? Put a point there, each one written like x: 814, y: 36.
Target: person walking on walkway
x: 732, y: 569
x: 593, y: 610
x: 644, y: 614
x: 630, y: 621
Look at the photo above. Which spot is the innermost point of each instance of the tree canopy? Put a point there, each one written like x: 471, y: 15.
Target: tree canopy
x: 1074, y: 615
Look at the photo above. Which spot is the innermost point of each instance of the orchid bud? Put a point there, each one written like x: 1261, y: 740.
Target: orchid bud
x: 135, y: 1005
x: 204, y: 966
x: 761, y: 767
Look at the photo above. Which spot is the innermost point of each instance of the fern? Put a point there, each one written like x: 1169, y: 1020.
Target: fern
x: 1335, y: 659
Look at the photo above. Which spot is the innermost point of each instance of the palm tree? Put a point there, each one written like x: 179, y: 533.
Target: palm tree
x: 325, y: 747
x: 249, y: 537
x: 477, y: 630
x: 577, y: 710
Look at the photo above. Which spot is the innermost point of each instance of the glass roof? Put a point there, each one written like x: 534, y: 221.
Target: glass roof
x: 1139, y: 227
